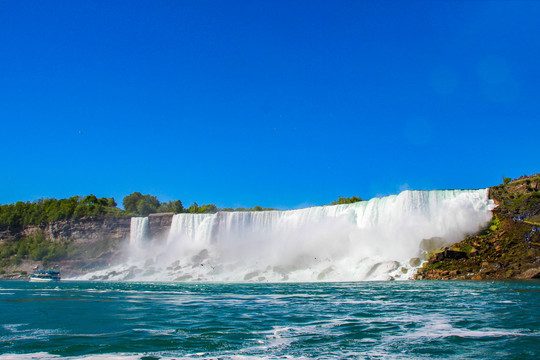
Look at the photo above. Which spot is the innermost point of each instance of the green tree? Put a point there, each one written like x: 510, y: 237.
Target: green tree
x: 177, y: 206
x: 46, y: 210
x: 344, y: 200
x: 208, y: 209
x: 131, y: 201
x: 38, y: 253
x: 90, y: 200
x: 172, y: 206
x: 147, y: 205
x: 194, y: 208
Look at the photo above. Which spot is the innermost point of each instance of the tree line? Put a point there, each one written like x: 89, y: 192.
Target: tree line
x: 43, y: 211
x: 48, y: 210
x: 139, y: 204
x: 346, y: 200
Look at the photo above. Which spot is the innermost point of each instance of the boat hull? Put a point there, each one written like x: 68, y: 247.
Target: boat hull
x: 45, y: 276
x: 42, y: 279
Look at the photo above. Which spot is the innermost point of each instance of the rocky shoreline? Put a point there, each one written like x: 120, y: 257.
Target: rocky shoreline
x: 508, y: 249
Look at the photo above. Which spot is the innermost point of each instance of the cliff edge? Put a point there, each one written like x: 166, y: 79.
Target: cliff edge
x: 74, y: 246
x: 509, y: 248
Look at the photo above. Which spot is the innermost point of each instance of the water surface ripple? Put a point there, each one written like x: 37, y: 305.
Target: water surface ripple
x: 366, y: 320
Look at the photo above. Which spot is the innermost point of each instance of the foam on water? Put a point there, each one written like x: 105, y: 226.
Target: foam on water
x: 368, y: 240
x: 375, y: 320
x: 47, y: 356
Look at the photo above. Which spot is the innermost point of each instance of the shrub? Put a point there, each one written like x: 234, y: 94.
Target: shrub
x: 345, y: 200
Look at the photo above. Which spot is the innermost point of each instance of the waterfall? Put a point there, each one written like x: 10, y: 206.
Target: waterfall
x: 379, y: 239
x: 138, y: 232
x: 196, y: 227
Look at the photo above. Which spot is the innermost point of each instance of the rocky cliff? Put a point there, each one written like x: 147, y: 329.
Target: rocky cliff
x: 80, y: 230
x: 159, y: 225
x: 86, y: 243
x: 508, y: 249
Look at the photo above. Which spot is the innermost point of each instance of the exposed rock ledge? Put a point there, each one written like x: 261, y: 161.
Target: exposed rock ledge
x: 508, y: 249
x: 93, y: 243
x: 80, y: 230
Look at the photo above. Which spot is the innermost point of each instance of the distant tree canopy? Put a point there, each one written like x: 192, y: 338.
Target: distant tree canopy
x: 346, y: 200
x: 172, y: 206
x: 255, y: 208
x: 47, y: 210
x: 131, y: 201
x: 140, y: 204
x: 205, y: 209
x: 143, y: 205
x: 211, y: 209
x: 44, y: 211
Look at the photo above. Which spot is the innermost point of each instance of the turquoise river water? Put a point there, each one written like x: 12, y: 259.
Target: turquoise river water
x: 363, y: 320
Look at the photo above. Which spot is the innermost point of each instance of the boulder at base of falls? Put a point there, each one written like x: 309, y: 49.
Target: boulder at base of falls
x: 415, y: 262
x: 448, y: 254
x: 533, y: 273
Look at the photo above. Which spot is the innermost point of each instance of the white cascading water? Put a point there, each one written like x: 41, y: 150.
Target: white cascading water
x: 368, y: 240
x: 138, y: 232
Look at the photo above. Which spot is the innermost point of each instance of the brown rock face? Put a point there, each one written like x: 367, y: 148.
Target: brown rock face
x: 90, y: 230
x: 415, y: 261
x: 533, y: 273
x: 508, y: 248
x: 449, y: 254
x: 159, y: 225
x: 80, y: 230
x: 90, y: 243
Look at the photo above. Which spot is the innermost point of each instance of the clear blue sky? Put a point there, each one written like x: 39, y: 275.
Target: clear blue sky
x: 271, y: 103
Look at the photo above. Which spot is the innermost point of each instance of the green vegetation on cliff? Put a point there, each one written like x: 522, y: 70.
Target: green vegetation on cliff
x: 142, y: 205
x: 518, y: 198
x: 346, y: 200
x: 34, y: 247
x: 48, y: 210
x: 255, y: 208
x: 507, y: 248
x: 20, y: 257
x: 139, y: 204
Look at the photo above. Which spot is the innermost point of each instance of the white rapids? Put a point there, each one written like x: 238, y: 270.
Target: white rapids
x: 368, y: 240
